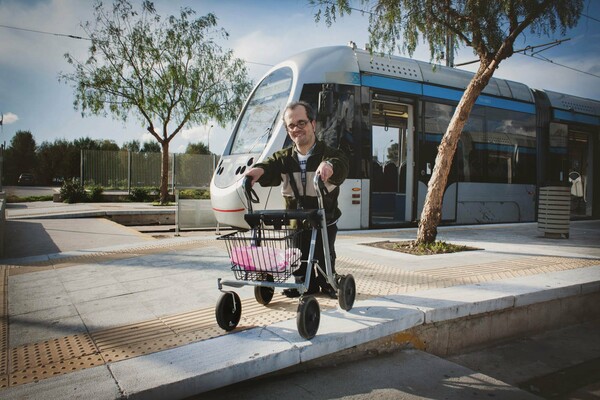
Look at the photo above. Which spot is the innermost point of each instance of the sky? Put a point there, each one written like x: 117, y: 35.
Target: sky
x: 262, y: 32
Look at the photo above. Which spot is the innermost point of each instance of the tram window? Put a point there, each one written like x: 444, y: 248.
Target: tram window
x: 437, y: 119
x: 557, y: 165
x: 496, y: 146
x: 511, y: 146
x: 262, y: 113
x: 337, y: 128
x: 470, y: 159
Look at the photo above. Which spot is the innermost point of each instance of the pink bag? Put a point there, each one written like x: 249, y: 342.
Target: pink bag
x: 263, y: 258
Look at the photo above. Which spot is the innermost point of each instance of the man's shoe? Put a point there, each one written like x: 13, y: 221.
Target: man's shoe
x: 329, y: 292
x: 291, y: 293
x: 310, y: 291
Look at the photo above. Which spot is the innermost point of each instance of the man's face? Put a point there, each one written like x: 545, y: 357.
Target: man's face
x: 300, y: 129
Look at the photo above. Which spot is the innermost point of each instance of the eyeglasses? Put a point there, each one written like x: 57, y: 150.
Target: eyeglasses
x: 300, y: 124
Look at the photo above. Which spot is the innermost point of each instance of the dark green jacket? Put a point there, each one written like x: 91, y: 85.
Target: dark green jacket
x: 281, y: 162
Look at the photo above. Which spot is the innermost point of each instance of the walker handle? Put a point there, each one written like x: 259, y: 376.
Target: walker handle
x: 320, y: 189
x: 250, y: 194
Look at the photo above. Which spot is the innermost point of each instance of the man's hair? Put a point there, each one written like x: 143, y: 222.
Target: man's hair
x: 310, y: 113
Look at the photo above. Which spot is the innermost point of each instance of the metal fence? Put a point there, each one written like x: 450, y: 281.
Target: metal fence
x: 126, y: 169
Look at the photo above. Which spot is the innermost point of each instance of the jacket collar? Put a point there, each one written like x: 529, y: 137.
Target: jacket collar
x: 317, y: 148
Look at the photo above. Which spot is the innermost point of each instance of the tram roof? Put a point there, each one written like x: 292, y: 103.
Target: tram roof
x: 350, y: 60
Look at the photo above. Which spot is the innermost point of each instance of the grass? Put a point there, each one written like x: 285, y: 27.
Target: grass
x: 438, y: 247
x: 158, y: 203
x: 11, y: 198
x: 195, y: 194
x: 411, y: 247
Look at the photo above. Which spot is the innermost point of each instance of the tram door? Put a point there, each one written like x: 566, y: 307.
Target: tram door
x: 392, y: 163
x: 580, y: 172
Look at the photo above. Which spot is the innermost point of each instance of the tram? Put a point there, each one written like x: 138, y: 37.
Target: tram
x: 389, y: 113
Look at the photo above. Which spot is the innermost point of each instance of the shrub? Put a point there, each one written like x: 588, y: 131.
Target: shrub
x: 194, y: 194
x: 72, y: 191
x: 96, y: 193
x: 139, y: 194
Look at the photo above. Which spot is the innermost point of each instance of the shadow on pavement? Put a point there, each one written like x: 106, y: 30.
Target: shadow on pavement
x: 19, y: 236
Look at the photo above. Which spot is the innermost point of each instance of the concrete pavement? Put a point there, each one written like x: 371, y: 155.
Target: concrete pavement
x: 108, y: 312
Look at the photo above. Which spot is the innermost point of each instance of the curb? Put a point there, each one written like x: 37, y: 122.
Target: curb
x: 214, y: 363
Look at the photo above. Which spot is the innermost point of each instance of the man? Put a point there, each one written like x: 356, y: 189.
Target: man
x: 295, y: 168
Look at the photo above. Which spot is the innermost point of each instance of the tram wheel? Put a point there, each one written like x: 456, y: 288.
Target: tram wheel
x: 347, y: 292
x: 228, y: 311
x: 308, y: 317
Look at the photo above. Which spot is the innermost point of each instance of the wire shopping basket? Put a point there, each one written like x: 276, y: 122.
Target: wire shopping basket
x: 262, y: 254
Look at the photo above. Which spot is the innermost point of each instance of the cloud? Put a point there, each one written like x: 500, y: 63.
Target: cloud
x: 147, y: 137
x: 196, y: 134
x: 9, y: 118
x: 32, y: 50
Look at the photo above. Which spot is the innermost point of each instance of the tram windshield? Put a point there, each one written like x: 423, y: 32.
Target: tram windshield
x: 262, y: 112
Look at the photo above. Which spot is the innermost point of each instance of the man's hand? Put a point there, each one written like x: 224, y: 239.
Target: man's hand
x: 325, y: 169
x: 255, y: 174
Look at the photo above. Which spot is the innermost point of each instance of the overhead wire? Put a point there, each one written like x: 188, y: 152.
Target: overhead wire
x: 44, y: 32
x: 533, y: 55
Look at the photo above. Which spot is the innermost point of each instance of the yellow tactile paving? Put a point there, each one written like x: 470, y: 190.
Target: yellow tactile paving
x: 3, y: 326
x: 37, y: 361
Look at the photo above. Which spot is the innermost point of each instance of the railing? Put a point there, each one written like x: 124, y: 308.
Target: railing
x: 125, y: 169
x: 193, y: 214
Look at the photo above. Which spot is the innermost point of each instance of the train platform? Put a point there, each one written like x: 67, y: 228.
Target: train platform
x: 109, y: 312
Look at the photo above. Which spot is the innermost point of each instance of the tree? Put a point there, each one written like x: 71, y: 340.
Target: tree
x: 86, y: 143
x: 59, y: 159
x: 197, y: 148
x: 107, y: 145
x: 167, y: 73
x: 20, y: 155
x: 150, y: 147
x: 133, y: 146
x: 490, y: 28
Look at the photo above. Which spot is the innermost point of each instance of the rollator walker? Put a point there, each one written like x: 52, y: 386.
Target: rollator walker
x: 267, y: 255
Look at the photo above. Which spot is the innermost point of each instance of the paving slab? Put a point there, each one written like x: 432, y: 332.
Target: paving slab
x: 407, y: 375
x: 147, y: 279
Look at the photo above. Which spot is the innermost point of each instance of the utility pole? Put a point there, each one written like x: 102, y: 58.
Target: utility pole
x: 1, y: 150
x: 208, y: 138
x: 212, y: 156
x: 449, y: 50
x: 449, y: 40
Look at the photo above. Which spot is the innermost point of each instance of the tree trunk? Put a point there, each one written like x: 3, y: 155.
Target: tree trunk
x: 432, y: 209
x: 164, y: 174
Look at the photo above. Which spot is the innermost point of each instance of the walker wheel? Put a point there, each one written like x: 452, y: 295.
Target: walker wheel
x: 308, y: 317
x: 346, y: 292
x: 264, y: 294
x: 228, y: 311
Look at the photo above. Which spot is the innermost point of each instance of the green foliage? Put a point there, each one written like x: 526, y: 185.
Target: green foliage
x: 133, y: 146
x: 116, y: 184
x: 488, y: 27
x: 437, y: 247
x: 143, y: 194
x: 73, y: 192
x: 197, y: 148
x: 139, y: 195
x: 150, y: 147
x: 11, y: 198
x: 159, y: 204
x: 60, y: 158
x: 167, y: 73
x: 195, y: 194
x: 95, y: 193
x: 19, y: 157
